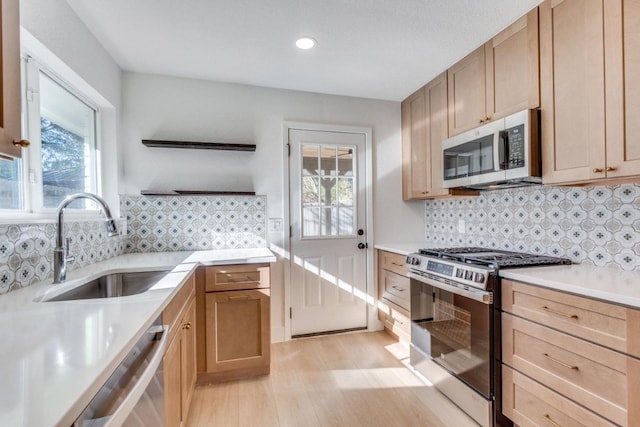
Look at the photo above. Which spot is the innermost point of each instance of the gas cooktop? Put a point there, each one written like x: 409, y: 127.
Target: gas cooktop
x: 492, y: 257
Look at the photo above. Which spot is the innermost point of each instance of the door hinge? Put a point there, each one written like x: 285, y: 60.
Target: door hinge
x: 289, y: 150
x: 290, y: 313
x: 290, y: 231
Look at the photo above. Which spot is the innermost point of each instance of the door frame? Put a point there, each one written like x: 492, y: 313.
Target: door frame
x: 372, y: 318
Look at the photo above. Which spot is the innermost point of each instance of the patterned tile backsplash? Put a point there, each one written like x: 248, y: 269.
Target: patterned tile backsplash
x: 592, y: 225
x: 154, y: 224
x: 26, y: 250
x: 179, y: 223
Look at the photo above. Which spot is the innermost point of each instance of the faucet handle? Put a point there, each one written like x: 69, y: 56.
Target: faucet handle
x: 68, y: 255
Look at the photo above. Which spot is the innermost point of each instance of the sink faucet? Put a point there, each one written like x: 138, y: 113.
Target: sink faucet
x: 61, y: 252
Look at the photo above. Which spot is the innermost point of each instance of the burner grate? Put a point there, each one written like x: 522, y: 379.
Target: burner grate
x: 493, y: 258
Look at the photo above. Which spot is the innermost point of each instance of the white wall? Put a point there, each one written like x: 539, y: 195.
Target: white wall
x: 55, y: 36
x: 160, y: 107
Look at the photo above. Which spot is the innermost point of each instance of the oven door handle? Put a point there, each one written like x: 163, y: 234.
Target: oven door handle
x: 478, y: 295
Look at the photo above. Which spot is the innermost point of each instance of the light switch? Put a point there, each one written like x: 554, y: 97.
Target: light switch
x: 275, y: 224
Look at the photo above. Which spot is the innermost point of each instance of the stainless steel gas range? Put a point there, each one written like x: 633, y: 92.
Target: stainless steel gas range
x: 455, y: 323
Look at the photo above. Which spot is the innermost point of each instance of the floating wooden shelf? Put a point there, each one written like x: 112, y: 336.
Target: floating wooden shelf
x: 199, y: 145
x: 195, y: 193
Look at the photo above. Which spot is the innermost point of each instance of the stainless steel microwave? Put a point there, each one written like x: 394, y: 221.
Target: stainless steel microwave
x: 502, y: 154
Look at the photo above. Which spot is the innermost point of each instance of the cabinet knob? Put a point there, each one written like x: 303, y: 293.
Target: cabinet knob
x: 481, y: 120
x: 488, y: 119
x: 425, y: 192
x: 597, y: 170
x: 187, y: 325
x: 21, y: 143
x: 610, y: 168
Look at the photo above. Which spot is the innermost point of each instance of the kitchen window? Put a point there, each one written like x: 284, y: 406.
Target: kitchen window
x: 62, y: 158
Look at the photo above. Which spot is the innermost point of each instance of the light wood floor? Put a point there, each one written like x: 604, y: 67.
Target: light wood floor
x: 356, y: 379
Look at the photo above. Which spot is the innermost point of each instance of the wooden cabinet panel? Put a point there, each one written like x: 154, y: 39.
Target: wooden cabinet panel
x: 622, y: 66
x: 512, y: 68
x: 179, y: 361
x: 416, y: 159
x: 396, y: 289
x: 10, y: 99
x: 528, y: 404
x: 238, y: 330
x: 188, y: 357
x: 237, y: 277
x: 607, y: 324
x: 466, y: 93
x: 571, y: 366
x: 572, y: 89
x: 393, y: 262
x: 173, y: 383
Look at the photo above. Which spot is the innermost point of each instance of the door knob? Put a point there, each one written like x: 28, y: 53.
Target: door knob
x: 362, y: 245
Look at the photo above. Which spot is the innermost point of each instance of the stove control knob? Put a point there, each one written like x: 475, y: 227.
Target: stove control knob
x: 459, y: 273
x: 415, y: 261
x: 468, y: 275
x: 479, y: 278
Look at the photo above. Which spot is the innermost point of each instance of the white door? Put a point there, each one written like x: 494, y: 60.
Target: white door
x: 328, y: 239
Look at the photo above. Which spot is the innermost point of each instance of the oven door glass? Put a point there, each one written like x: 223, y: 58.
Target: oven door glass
x: 455, y: 331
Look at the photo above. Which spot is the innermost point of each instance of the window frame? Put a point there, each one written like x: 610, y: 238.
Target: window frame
x: 31, y: 186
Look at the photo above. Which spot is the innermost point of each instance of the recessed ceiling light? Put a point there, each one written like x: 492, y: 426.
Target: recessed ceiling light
x: 306, y: 43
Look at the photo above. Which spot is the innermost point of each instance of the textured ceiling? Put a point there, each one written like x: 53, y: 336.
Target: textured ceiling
x: 383, y: 49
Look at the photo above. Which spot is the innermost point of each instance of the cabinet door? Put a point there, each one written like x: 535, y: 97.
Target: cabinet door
x: 238, y: 330
x: 512, y: 68
x: 436, y: 103
x: 188, y: 358
x: 622, y: 50
x: 572, y: 89
x: 416, y: 180
x: 467, y: 97
x: 9, y: 78
x: 172, y: 383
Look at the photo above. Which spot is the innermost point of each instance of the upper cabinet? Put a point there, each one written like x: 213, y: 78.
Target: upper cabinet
x: 590, y: 90
x: 10, y: 141
x: 572, y: 90
x: 497, y: 79
x: 424, y: 127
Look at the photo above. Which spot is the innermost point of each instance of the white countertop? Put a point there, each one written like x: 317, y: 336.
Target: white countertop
x: 402, y: 248
x: 54, y: 356
x: 607, y: 284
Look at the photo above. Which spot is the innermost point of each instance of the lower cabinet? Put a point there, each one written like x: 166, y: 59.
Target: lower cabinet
x: 179, y: 361
x: 568, y: 360
x: 394, y: 295
x: 237, y: 322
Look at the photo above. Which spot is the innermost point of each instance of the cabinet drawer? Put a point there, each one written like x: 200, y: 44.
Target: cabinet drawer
x: 393, y: 262
x: 171, y: 314
x: 396, y: 289
x: 398, y: 323
x: 594, y: 376
x: 237, y: 277
x: 529, y: 404
x: 607, y: 324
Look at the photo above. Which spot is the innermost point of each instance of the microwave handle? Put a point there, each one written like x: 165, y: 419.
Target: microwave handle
x: 503, y: 150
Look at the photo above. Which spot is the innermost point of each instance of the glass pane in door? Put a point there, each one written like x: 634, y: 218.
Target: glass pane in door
x: 327, y: 178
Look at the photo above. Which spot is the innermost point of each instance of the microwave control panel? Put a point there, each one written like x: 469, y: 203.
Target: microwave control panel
x: 515, y: 147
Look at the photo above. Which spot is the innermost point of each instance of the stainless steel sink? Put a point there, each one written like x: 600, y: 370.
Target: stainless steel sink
x: 113, y: 285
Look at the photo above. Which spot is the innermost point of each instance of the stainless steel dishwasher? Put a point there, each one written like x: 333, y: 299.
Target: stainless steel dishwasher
x: 133, y: 396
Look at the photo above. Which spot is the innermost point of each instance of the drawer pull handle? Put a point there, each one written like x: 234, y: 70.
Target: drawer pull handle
x: 398, y: 288
x: 553, y: 423
x: 396, y: 264
x: 238, y: 297
x: 559, y: 313
x: 560, y: 362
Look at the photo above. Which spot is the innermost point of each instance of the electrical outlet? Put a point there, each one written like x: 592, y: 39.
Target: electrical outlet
x: 461, y: 226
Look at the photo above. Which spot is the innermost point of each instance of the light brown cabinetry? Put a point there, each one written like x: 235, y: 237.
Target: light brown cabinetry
x: 578, y: 350
x: 237, y: 322
x: 179, y: 361
x: 424, y: 127
x: 497, y: 79
x: 590, y: 86
x: 10, y: 78
x: 394, y: 294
